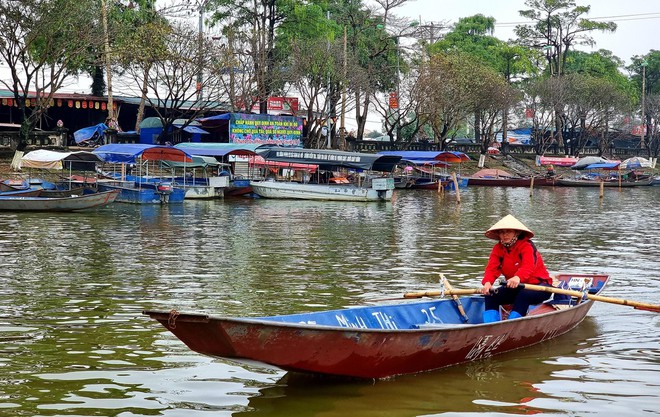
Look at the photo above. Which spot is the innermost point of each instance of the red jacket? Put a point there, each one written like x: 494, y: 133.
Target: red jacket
x: 521, y: 260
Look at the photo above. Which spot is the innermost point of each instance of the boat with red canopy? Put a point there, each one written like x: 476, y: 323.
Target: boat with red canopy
x: 383, y: 340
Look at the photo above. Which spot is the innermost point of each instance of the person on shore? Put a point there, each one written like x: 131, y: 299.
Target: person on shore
x: 515, y: 257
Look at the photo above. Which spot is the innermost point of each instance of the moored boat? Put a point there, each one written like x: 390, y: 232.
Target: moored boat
x: 141, y: 188
x: 383, y: 340
x: 70, y: 203
x: 499, y: 178
x: 365, y: 188
x: 581, y: 182
x: 27, y: 192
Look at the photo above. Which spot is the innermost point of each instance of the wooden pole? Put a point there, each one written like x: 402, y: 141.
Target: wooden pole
x: 531, y: 187
x: 602, y: 189
x: 457, y: 301
x: 458, y: 193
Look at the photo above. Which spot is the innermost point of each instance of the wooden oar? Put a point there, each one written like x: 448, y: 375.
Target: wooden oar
x: 437, y: 293
x: 447, y: 286
x: 641, y: 306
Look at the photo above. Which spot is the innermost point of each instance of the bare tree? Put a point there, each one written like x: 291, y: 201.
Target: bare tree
x: 170, y: 77
x: 43, y: 43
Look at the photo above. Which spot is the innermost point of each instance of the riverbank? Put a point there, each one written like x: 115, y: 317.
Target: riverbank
x: 523, y: 165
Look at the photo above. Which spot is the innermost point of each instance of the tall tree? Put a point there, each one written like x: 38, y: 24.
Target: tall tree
x: 558, y: 27
x: 256, y: 22
x: 645, y: 74
x: 170, y: 75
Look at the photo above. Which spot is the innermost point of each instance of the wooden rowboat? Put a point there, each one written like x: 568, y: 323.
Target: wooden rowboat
x: 380, y: 341
x: 71, y: 203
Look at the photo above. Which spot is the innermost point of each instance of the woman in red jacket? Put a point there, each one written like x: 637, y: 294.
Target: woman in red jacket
x: 514, y: 256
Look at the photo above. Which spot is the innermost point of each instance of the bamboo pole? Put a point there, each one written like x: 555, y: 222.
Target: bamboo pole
x: 602, y: 189
x: 531, y: 187
x: 458, y: 193
x: 457, y: 301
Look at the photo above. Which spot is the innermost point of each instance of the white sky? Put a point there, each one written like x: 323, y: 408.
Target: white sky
x: 638, y: 21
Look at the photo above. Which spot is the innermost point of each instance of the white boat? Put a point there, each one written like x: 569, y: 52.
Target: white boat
x: 323, y: 188
x: 381, y: 190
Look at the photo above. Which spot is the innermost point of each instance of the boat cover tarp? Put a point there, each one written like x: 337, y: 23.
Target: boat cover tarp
x: 45, y: 159
x: 87, y: 133
x: 195, y: 129
x: 130, y: 152
x: 328, y: 159
x: 558, y: 161
x: 492, y: 173
x: 216, y: 149
x: 604, y: 165
x: 635, y: 162
x: 585, y: 162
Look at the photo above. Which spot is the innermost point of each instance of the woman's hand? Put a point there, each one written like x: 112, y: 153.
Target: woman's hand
x: 513, y: 282
x: 485, y: 290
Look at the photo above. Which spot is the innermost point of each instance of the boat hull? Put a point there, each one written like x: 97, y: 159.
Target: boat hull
x: 336, y: 192
x: 510, y: 182
x: 146, y: 194
x: 71, y: 203
x: 371, y: 342
x: 565, y: 182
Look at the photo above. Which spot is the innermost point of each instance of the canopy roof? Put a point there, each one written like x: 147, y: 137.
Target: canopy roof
x: 44, y: 159
x: 131, y: 152
x: 328, y: 159
x: 258, y: 161
x: 447, y: 156
x: 216, y: 149
x: 424, y: 162
x: 198, y: 161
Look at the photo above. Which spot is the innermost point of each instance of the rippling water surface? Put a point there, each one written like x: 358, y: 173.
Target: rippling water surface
x: 73, y: 341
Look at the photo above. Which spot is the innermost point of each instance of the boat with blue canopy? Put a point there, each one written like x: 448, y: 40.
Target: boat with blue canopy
x: 142, y: 187
x: 329, y: 183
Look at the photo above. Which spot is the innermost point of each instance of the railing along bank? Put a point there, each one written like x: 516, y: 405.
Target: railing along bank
x: 369, y: 146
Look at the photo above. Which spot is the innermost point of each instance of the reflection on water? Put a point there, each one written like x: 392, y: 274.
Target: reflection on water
x: 74, y: 341
x: 506, y: 384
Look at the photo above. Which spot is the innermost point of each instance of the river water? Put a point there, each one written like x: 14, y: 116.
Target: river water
x: 73, y: 341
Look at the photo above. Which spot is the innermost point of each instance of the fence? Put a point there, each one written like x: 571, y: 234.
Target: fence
x: 370, y: 146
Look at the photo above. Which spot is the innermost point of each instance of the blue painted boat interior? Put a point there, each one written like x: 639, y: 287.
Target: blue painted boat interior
x: 391, y: 317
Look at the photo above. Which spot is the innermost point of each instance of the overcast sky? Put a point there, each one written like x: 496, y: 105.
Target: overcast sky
x: 638, y: 21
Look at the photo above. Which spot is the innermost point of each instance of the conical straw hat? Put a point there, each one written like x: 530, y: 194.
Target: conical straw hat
x: 507, y: 222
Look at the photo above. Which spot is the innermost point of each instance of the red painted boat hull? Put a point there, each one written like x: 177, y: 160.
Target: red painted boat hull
x: 365, y: 352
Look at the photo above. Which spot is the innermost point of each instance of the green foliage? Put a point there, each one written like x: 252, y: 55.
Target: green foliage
x: 649, y: 65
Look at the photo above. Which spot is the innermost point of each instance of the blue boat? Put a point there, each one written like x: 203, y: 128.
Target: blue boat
x: 141, y: 189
